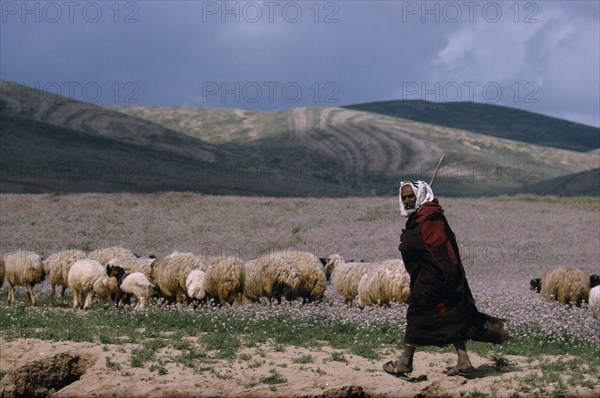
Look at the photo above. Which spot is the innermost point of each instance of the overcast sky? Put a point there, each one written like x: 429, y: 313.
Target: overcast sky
x: 542, y: 56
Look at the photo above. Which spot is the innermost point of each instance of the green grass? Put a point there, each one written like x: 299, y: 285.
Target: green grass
x: 159, y: 367
x: 500, y: 361
x: 475, y: 394
x: 191, y: 357
x: 274, y: 378
x: 255, y: 364
x: 223, y: 334
x: 112, y: 365
x: 304, y: 359
x: 225, y: 344
x: 338, y: 357
x: 139, y: 357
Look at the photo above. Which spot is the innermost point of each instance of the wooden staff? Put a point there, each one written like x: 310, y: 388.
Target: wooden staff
x: 436, y: 170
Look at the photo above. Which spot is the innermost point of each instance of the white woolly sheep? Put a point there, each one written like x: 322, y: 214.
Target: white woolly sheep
x: 312, y: 277
x: 566, y: 285
x: 211, y: 260
x: 87, y: 277
x: 57, y: 266
x: 594, y: 301
x: 195, y: 285
x: 131, y: 265
x: 136, y: 284
x: 383, y: 284
x: 23, y: 268
x: 2, y: 272
x: 270, y: 277
x: 119, y: 268
x: 345, y: 277
x: 224, y: 281
x: 170, y: 274
x: 109, y: 253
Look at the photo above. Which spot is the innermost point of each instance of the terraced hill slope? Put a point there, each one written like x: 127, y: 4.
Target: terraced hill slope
x: 493, y: 120
x: 50, y: 143
x: 369, y: 152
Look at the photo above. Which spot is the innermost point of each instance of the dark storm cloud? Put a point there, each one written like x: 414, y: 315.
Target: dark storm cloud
x: 539, y: 56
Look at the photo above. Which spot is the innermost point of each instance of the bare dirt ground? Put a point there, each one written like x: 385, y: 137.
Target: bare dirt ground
x: 358, y: 377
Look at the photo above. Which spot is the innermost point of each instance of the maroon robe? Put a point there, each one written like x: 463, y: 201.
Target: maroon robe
x: 441, y: 308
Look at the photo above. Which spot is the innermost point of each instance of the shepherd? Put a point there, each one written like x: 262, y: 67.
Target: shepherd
x: 441, y: 309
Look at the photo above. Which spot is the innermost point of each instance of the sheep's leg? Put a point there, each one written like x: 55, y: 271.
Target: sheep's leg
x: 82, y: 299
x: 52, y: 292
x: 27, y: 299
x: 180, y: 298
x: 240, y: 299
x: 31, y: 295
x: 141, y: 303
x: 11, y: 295
x: 62, y: 294
x: 75, y: 299
x: 120, y: 299
x: 88, y: 300
x: 278, y: 298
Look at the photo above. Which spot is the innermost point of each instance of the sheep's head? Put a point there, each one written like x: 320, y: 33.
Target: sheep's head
x: 594, y: 280
x: 152, y: 272
x: 332, y: 262
x: 117, y: 272
x: 535, y: 284
x: 195, y: 284
x: 112, y: 285
x: 112, y: 262
x: 46, y: 267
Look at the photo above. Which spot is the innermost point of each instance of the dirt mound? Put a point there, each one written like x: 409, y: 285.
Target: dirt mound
x: 432, y: 390
x: 44, y: 377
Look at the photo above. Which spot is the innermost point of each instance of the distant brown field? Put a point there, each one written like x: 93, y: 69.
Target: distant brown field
x: 515, y: 237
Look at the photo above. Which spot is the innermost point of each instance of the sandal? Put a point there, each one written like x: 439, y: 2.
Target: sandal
x: 395, y: 368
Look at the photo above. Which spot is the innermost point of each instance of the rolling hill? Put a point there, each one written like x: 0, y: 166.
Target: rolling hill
x: 50, y: 143
x: 53, y: 144
x: 582, y: 183
x: 370, y: 152
x: 493, y: 120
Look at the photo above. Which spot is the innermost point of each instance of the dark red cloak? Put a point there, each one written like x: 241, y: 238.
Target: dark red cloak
x: 441, y: 308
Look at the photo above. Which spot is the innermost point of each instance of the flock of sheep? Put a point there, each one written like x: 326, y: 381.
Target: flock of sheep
x: 117, y: 273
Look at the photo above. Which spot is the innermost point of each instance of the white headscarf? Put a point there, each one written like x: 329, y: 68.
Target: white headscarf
x: 422, y: 191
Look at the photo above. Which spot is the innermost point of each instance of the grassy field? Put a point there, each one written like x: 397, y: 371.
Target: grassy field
x: 504, y: 243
